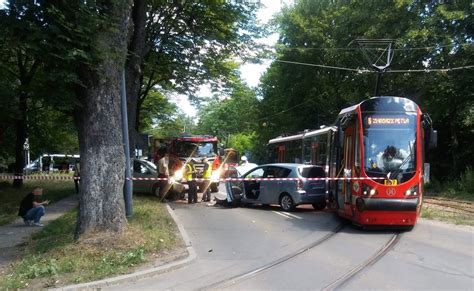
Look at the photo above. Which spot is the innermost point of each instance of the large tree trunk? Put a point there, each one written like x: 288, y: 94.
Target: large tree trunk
x: 101, y: 206
x: 134, y: 68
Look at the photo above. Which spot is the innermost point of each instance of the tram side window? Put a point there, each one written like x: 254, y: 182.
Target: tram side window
x: 307, y: 148
x: 357, y: 162
x: 293, y: 154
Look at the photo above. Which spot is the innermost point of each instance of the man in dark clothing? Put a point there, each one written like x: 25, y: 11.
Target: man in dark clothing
x: 32, y: 207
x: 189, y: 175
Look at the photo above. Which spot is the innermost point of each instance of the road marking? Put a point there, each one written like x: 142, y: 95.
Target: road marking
x: 281, y: 214
x: 292, y: 215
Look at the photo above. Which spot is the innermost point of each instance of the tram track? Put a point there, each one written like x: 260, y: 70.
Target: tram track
x: 338, y: 283
x: 466, y: 207
x: 346, y: 277
x: 254, y: 272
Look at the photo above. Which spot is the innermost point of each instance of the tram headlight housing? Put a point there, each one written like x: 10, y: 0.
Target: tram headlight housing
x: 413, y: 191
x: 369, y: 191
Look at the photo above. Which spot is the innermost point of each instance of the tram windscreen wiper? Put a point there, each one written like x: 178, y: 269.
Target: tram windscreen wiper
x: 393, y: 174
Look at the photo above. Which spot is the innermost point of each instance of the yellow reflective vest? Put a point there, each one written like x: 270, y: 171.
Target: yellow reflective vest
x: 208, y: 171
x: 189, y: 172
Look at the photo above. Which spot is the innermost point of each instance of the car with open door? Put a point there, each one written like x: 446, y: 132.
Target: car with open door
x: 288, y: 185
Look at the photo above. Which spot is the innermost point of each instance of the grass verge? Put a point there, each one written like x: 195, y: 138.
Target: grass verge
x: 438, y: 213
x: 10, y: 197
x: 52, y: 258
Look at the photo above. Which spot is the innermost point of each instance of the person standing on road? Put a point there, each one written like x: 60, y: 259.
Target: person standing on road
x: 206, y: 195
x: 32, y: 207
x: 77, y: 175
x: 189, y: 175
x: 164, y: 172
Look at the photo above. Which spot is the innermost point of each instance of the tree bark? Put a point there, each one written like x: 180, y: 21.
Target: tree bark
x: 134, y: 68
x: 101, y: 206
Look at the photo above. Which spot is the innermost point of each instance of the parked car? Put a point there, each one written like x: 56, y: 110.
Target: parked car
x: 146, y: 169
x: 287, y: 193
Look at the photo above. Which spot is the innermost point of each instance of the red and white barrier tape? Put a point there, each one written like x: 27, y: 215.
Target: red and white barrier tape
x: 53, y: 177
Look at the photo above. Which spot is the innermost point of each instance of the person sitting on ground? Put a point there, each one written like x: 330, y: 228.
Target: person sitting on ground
x: 32, y: 207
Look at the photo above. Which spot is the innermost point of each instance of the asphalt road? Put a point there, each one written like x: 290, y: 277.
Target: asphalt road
x: 265, y: 248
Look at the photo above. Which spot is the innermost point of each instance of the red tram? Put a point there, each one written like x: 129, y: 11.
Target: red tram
x: 375, y: 156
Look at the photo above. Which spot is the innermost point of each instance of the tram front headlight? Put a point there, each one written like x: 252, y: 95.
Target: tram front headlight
x: 412, y: 191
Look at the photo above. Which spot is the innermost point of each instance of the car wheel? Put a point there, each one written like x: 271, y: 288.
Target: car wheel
x: 319, y: 206
x: 286, y: 203
x: 156, y: 190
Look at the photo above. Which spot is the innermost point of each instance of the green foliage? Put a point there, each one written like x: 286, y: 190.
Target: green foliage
x: 235, y: 114
x: 155, y: 111
x: 467, y: 181
x: 243, y: 142
x: 53, y: 258
x: 192, y: 42
x: 299, y: 97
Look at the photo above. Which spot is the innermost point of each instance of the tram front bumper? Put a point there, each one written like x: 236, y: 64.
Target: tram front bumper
x: 381, y: 204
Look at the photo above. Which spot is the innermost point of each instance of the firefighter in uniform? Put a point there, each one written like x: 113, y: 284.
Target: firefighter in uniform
x: 206, y: 195
x: 189, y: 176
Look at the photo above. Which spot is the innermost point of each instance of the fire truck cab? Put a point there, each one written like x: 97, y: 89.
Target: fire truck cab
x: 202, y: 149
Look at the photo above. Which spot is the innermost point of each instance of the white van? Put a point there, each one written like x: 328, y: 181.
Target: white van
x: 52, y: 163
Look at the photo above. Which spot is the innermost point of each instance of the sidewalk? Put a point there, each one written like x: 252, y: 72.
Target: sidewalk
x: 15, y: 233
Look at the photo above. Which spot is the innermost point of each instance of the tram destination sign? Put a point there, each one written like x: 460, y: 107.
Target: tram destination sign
x: 387, y: 121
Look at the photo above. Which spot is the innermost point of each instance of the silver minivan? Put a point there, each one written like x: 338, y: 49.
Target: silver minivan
x: 288, y: 193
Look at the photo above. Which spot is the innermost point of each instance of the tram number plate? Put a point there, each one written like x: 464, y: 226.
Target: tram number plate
x: 390, y: 182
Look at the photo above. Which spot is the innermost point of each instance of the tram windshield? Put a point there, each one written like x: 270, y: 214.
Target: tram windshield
x: 389, y: 145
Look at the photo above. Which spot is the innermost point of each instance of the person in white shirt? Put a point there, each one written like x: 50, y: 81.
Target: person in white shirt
x: 164, y: 172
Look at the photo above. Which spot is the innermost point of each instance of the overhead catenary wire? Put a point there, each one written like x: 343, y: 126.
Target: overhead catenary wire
x: 364, y: 70
x: 325, y: 66
x: 286, y: 110
x: 376, y: 48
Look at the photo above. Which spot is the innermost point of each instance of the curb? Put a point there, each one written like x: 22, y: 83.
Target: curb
x: 145, y: 273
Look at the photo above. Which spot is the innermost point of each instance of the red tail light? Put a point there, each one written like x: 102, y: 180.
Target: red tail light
x: 300, y: 185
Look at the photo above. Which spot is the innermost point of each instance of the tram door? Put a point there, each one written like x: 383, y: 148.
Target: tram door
x: 281, y: 154
x: 348, y: 162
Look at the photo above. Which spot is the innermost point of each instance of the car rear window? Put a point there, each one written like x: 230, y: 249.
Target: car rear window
x: 312, y: 172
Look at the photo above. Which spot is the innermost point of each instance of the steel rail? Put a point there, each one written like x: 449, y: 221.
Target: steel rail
x: 254, y: 272
x: 342, y: 280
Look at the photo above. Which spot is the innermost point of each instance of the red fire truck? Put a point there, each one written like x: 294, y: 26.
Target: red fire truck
x: 201, y: 149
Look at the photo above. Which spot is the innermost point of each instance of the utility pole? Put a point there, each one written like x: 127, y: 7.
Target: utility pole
x: 379, y: 54
x: 127, y: 189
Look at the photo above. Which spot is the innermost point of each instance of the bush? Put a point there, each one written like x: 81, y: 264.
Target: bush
x: 466, y: 182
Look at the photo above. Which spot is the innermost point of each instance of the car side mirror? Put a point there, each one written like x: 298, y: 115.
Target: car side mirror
x: 221, y: 152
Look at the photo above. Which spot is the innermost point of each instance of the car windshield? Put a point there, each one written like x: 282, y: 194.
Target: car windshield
x: 389, y: 143
x: 196, y: 149
x: 150, y: 164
